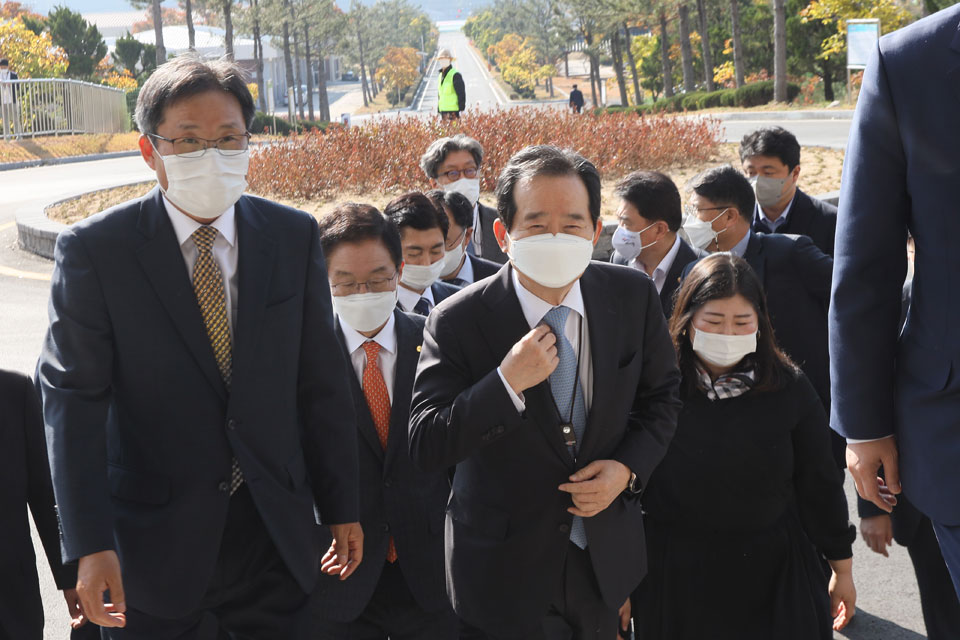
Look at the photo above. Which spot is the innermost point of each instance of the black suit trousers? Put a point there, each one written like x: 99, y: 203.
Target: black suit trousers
x: 252, y: 595
x: 938, y: 600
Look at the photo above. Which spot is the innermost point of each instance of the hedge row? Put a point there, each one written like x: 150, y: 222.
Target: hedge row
x: 751, y: 95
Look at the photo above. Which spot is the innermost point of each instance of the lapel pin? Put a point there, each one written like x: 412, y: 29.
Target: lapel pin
x: 418, y: 348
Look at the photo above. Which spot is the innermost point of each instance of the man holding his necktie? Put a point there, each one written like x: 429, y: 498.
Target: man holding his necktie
x: 552, y: 387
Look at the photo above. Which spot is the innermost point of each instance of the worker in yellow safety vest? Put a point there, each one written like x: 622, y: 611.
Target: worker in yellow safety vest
x: 452, y: 97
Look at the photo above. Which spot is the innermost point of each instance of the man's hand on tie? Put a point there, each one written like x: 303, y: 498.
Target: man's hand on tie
x: 531, y: 360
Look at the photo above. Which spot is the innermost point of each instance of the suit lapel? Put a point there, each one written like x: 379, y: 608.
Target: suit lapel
x: 685, y: 256
x: 504, y: 328
x: 162, y: 262
x: 953, y: 75
x: 255, y: 266
x: 754, y: 255
x: 364, y: 419
x: 408, y: 352
x: 598, y: 301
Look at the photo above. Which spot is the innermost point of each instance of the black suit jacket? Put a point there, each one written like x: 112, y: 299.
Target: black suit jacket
x: 442, y: 291
x: 396, y: 499
x: 685, y: 255
x: 141, y: 427
x: 491, y: 250
x: 482, y: 268
x: 25, y: 480
x: 507, y: 526
x: 809, y: 217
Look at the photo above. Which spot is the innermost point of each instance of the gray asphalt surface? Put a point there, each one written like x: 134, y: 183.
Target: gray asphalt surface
x: 481, y: 94
x: 888, y: 602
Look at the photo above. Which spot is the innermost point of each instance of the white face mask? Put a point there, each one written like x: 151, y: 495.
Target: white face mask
x: 629, y: 244
x: 206, y: 186
x: 365, y: 311
x: 722, y: 350
x: 768, y: 190
x: 700, y: 233
x: 467, y: 187
x: 451, y: 260
x: 444, y: 62
x: 552, y: 261
x: 418, y: 277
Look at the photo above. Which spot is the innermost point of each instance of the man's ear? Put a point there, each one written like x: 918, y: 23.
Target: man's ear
x: 433, y: 183
x: 500, y: 231
x: 598, y: 231
x: 467, y: 237
x: 795, y: 174
x: 147, y: 152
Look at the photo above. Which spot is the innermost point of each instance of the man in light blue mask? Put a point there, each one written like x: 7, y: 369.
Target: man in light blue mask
x: 552, y: 388
x: 770, y: 157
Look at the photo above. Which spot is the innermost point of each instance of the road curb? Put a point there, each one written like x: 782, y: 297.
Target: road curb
x: 43, y: 162
x: 38, y: 234
x: 751, y: 116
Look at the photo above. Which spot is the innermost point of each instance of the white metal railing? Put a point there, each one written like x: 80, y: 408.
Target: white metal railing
x: 46, y: 106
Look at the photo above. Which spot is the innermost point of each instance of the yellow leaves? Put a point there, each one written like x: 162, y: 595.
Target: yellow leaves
x: 399, y: 68
x: 891, y: 14
x: 254, y: 91
x: 505, y: 49
x: 725, y: 74
x: 30, y: 55
x: 518, y: 62
x: 120, y: 80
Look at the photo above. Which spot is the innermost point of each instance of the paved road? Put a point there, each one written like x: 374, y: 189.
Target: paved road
x: 481, y: 92
x: 819, y: 133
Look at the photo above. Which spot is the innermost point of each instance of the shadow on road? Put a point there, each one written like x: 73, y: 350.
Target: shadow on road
x: 866, y: 626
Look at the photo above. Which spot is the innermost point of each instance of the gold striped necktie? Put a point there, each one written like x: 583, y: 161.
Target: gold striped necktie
x: 212, y: 298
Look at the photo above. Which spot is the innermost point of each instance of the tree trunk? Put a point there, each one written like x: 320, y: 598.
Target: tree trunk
x: 228, y: 27
x: 191, y: 32
x: 364, y: 86
x: 827, y: 76
x: 665, y: 63
x: 306, y: 53
x: 596, y: 72
x: 288, y: 65
x: 705, y: 41
x: 158, y: 32
x: 779, y: 51
x: 737, y: 42
x: 566, y: 64
x: 258, y: 49
x: 637, y: 96
x: 616, y: 52
x: 686, y: 51
x: 296, y: 69
x: 322, y: 89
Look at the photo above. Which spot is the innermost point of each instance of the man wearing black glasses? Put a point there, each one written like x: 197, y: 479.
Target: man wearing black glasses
x: 454, y: 164
x: 195, y: 394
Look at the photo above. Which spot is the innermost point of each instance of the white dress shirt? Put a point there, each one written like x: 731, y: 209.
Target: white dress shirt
x: 477, y: 239
x: 575, y: 331
x: 225, y: 250
x: 408, y: 299
x: 387, y: 360
x: 466, y: 271
x: 741, y: 247
x: 659, y: 276
x: 761, y: 215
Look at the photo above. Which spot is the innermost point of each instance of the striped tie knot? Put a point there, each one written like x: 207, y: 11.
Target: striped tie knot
x: 204, y: 238
x: 372, y: 349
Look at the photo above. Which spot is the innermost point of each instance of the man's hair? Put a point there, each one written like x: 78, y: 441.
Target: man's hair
x: 545, y: 160
x: 438, y: 151
x: 574, y: 86
x: 415, y: 210
x: 189, y: 75
x: 775, y: 142
x: 459, y: 205
x: 654, y: 195
x: 4, y: 62
x: 725, y: 186
x: 353, y: 222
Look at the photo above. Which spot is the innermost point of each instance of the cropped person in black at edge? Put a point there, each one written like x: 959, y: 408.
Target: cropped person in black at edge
x: 747, y: 484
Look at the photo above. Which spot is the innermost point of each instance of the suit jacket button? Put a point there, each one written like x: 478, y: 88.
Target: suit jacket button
x: 386, y: 528
x: 224, y: 487
x: 232, y: 424
x: 564, y: 528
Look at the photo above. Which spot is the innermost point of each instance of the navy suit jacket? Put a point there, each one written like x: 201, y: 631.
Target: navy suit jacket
x: 809, y: 217
x: 396, y: 499
x: 902, y: 173
x: 141, y: 427
x: 483, y: 268
x: 685, y: 255
x: 25, y: 481
x: 507, y: 525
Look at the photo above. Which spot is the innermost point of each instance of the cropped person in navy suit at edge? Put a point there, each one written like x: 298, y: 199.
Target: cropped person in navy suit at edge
x: 552, y: 387
x: 646, y: 238
x: 913, y: 530
x: 25, y: 482
x: 897, y: 397
x: 770, y: 156
x: 423, y: 237
x: 398, y: 591
x: 461, y: 267
x: 794, y: 272
x: 456, y: 164
x: 194, y: 392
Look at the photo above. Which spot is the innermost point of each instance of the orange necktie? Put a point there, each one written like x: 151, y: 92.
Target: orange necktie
x: 378, y: 400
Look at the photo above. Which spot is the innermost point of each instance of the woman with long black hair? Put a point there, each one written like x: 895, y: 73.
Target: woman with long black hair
x: 747, y: 502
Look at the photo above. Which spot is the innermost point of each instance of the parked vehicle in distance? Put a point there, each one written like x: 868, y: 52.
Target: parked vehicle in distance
x: 348, y: 76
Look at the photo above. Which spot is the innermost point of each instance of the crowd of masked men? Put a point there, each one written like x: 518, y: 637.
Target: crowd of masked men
x: 443, y: 419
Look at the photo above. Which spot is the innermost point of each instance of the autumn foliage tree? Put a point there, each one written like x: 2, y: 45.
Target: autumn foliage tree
x: 398, y: 69
x: 31, y: 55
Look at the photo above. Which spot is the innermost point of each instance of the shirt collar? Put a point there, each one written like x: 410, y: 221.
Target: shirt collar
x: 466, y: 271
x: 409, y: 299
x: 184, y: 225
x: 535, y: 308
x: 386, y: 338
x: 741, y: 247
x: 668, y: 259
x: 761, y: 216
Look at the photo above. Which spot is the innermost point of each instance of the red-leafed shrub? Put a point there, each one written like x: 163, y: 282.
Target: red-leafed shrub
x: 383, y: 155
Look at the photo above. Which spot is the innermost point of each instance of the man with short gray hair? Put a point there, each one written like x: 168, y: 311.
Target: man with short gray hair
x: 454, y: 164
x: 195, y: 395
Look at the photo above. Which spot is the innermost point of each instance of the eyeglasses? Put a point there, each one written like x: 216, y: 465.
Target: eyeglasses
x: 374, y: 285
x: 455, y: 243
x: 192, y: 147
x: 453, y: 175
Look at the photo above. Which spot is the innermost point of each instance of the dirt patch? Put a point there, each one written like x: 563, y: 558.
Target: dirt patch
x: 820, y: 174
x: 46, y: 147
